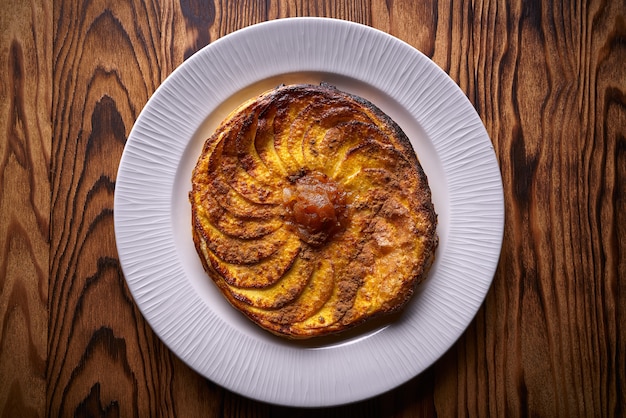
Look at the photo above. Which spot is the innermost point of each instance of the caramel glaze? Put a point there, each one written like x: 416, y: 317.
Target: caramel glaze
x: 316, y: 207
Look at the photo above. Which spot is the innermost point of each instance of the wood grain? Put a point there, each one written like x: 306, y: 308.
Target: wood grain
x: 548, y: 81
x: 558, y: 285
x: 25, y: 97
x: 103, y: 358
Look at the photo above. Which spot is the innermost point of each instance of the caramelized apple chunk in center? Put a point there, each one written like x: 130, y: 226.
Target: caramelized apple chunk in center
x: 317, y: 207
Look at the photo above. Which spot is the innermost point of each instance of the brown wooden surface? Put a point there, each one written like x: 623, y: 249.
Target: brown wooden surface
x: 548, y: 81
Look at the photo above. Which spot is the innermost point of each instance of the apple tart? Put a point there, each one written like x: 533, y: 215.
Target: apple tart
x: 311, y: 212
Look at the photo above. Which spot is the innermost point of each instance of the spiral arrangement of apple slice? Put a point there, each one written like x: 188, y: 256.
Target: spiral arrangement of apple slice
x: 311, y: 212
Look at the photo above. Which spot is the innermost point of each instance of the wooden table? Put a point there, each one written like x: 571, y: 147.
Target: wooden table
x: 548, y: 81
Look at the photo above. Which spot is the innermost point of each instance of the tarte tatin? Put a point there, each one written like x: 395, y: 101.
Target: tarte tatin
x: 311, y: 211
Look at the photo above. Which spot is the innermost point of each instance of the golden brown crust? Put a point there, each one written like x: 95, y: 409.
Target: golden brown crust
x: 311, y: 212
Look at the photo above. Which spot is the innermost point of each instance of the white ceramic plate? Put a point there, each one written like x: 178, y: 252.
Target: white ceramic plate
x: 152, y: 212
